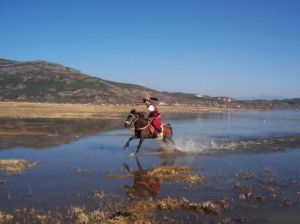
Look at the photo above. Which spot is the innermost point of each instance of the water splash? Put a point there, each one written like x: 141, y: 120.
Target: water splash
x: 205, y: 145
x: 211, y: 145
x: 192, y: 146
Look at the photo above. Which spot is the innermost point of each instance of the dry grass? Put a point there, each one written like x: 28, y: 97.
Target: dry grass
x: 169, y: 203
x: 5, y: 218
x: 64, y: 111
x: 143, y: 211
x: 175, y: 173
x: 171, y: 173
x: 16, y: 132
x: 83, y: 111
x: 16, y: 165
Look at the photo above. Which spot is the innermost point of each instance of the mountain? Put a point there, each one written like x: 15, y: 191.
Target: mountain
x: 41, y: 81
x: 262, y: 97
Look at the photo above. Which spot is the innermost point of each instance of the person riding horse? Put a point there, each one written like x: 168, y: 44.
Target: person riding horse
x: 154, y: 116
x: 144, y: 130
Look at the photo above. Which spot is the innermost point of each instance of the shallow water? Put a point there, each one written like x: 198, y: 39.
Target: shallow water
x: 223, y: 147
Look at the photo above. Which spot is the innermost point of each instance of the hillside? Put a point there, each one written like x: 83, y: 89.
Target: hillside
x: 41, y: 81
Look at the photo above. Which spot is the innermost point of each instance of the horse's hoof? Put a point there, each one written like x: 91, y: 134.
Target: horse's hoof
x: 134, y: 154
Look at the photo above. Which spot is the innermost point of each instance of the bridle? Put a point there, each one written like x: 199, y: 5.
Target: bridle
x: 131, y: 120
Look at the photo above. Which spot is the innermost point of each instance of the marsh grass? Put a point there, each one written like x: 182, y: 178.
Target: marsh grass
x: 15, y: 166
x: 170, y: 173
x: 142, y: 211
x: 176, y: 173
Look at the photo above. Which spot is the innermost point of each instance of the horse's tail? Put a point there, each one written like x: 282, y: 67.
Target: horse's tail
x: 171, y: 129
x: 168, y: 136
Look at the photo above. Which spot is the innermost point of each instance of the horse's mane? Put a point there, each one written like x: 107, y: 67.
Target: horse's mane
x: 140, y: 114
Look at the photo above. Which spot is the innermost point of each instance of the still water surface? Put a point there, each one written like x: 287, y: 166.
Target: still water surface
x: 217, y: 145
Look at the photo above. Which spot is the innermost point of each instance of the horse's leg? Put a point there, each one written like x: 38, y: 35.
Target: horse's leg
x: 170, y: 139
x: 139, y: 164
x: 129, y: 140
x: 139, y: 146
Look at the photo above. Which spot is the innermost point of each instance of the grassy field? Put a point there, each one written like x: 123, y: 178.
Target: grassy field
x: 83, y: 111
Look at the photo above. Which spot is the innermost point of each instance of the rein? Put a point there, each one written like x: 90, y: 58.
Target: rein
x: 133, y: 122
x: 139, y: 129
x: 149, y: 123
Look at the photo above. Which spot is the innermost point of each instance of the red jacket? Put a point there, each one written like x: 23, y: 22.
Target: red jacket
x: 155, y: 116
x: 153, y: 110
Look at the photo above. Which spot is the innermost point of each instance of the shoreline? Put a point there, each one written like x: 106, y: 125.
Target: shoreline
x: 30, y: 110
x: 26, y: 110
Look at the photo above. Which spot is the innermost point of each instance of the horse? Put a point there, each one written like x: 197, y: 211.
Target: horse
x: 144, y: 130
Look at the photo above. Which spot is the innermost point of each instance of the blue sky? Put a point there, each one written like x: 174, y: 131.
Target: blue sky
x: 236, y: 48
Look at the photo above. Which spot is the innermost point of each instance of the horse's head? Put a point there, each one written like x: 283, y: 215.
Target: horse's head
x: 131, y: 118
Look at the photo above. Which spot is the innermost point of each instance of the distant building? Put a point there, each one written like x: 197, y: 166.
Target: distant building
x: 225, y: 98
x: 162, y: 103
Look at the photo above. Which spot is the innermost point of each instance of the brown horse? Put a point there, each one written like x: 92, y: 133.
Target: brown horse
x: 144, y: 130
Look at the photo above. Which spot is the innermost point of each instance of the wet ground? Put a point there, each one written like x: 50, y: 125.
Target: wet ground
x: 247, y: 162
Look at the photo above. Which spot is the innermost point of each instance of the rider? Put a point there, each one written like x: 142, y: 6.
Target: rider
x: 154, y: 116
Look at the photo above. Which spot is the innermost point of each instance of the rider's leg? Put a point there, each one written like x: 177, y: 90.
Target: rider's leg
x: 159, y: 133
x: 156, y: 123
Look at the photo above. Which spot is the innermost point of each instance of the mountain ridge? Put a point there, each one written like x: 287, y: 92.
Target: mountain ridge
x: 48, y: 82
x: 42, y: 81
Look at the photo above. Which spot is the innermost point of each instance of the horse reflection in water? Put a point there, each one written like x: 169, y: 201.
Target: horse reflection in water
x: 144, y: 130
x: 144, y: 185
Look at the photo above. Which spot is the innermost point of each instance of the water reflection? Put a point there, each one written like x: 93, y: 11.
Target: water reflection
x: 144, y: 184
x: 147, y: 182
x: 43, y: 133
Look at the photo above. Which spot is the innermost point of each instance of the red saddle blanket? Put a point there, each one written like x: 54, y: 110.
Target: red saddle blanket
x: 152, y: 130
x: 165, y: 131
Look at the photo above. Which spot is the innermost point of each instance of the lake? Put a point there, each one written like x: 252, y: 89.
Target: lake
x: 250, y: 159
